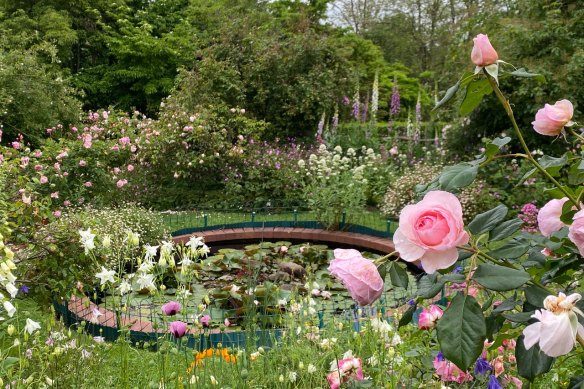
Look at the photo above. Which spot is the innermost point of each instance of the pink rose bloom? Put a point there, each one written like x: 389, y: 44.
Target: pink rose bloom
x: 44, y: 180
x: 24, y: 161
x: 551, y: 119
x: 87, y: 139
x: 557, y: 326
x: 226, y: 322
x: 171, y: 308
x: 105, y: 115
x: 57, y: 166
x: 82, y: 163
x: 121, y: 183
x: 116, y: 170
x: 177, y: 329
x: 430, y: 230
x: 483, y: 53
x: 15, y: 145
x: 130, y: 168
x: 55, y: 195
x: 429, y: 317
x: 66, y: 203
x: 359, y: 275
x: 349, y: 368
x: 57, y: 213
x: 205, y: 320
x: 576, y: 232
x: 65, y: 174
x: 38, y: 153
x: 38, y: 168
x: 548, y: 218
x: 88, y: 184
x: 115, y: 148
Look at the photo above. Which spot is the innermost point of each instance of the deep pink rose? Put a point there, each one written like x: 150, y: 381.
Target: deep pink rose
x: 551, y: 119
x: 430, y: 230
x: 359, y: 275
x: 483, y: 53
x: 548, y: 218
x: 429, y: 317
x: 178, y: 329
x: 171, y: 308
x: 576, y: 233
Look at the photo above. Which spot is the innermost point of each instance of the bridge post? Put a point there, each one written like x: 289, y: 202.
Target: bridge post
x: 253, y: 216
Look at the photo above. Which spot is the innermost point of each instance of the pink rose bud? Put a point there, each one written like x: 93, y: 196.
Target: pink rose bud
x: 359, y: 275
x: 429, y: 317
x: 430, y: 231
x: 226, y: 322
x: 576, y: 232
x: 88, y: 184
x: 171, y: 308
x: 57, y: 213
x: 44, y: 180
x: 551, y: 119
x: 548, y: 218
x: 483, y: 53
x: 82, y: 163
x: 178, y: 329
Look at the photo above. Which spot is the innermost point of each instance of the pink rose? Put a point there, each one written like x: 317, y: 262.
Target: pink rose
x: 57, y: 213
x: 171, y: 308
x: 44, y: 180
x: 483, y: 53
x: 430, y: 230
x: 429, y: 317
x: 178, y: 329
x: 88, y: 184
x: 548, y: 218
x: 576, y: 232
x: 551, y: 119
x: 82, y: 163
x: 348, y: 368
x: 359, y: 275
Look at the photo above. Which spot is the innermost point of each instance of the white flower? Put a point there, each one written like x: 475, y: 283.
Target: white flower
x: 234, y: 288
x: 311, y: 368
x: 214, y: 381
x: 125, y: 287
x: 95, y: 314
x: 132, y: 238
x: 204, y: 250
x: 146, y: 266
x: 150, y: 252
x: 106, y: 242
x: 87, y: 240
x: 99, y: 339
x: 557, y: 327
x: 31, y: 326
x: 166, y: 248
x: 292, y: 376
x: 326, y: 294
x: 282, y: 302
x: 194, y: 242
x: 10, y: 309
x: 145, y: 281
x: 105, y: 275
x: 13, y: 290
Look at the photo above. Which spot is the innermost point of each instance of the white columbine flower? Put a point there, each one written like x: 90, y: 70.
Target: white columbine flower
x: 166, y: 248
x: 31, y: 326
x: 145, y: 281
x: 292, y: 376
x: 9, y: 308
x: 106, y: 242
x: 133, y: 238
x: 125, y: 287
x: 557, y: 325
x: 87, y: 240
x: 150, y: 252
x: 194, y: 242
x: 105, y: 275
x: 311, y: 368
x: 204, y: 250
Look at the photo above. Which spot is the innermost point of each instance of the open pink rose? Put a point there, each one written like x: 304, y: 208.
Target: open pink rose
x: 429, y: 317
x: 483, y: 53
x: 576, y: 232
x: 548, y: 218
x: 551, y: 119
x: 430, y: 230
x: 359, y: 275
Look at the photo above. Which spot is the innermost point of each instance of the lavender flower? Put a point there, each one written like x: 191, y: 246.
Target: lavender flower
x: 395, y: 100
x: 356, y: 105
x: 375, y: 96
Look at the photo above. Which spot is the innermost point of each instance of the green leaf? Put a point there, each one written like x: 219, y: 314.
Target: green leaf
x: 534, y: 259
x: 576, y: 382
x: 518, y: 317
x: 568, y: 213
x: 506, y: 305
x: 7, y: 363
x: 462, y: 331
x: 531, y: 363
x: 535, y: 295
x: 429, y: 286
x: 486, y: 221
x: 382, y: 269
x: 500, y: 278
x: 458, y: 176
x: 553, y: 165
x: 475, y: 91
x: 496, y: 145
x: 493, y: 71
x: 521, y: 72
x: 397, y: 275
x: 449, y: 95
x: 510, y: 250
x: 506, y: 229
x: 407, y: 316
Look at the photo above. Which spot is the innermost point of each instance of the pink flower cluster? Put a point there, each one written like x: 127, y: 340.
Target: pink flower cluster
x: 347, y: 369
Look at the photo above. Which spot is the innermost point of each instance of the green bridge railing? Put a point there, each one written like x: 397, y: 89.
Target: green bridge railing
x: 187, y: 222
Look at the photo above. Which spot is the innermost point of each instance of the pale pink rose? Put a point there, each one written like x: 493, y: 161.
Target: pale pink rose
x: 16, y: 145
x: 576, y: 232
x: 57, y: 213
x: 226, y: 322
x: 66, y: 203
x: 359, y: 275
x: 429, y: 317
x: 105, y: 115
x: 121, y: 183
x: 548, y: 218
x: 82, y: 163
x: 483, y: 53
x: 87, y: 139
x: 430, y: 231
x: 55, y: 195
x: 44, y: 180
x: 551, y: 119
x: 557, y: 326
x: 116, y: 170
x: 88, y: 184
x: 130, y: 168
x: 334, y: 379
x: 511, y: 380
x: 38, y: 153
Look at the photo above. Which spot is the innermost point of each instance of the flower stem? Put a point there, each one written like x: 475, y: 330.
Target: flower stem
x: 580, y: 137
x: 509, y: 111
x: 580, y: 340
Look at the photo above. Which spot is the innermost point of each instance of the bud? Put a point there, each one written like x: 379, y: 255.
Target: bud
x: 10, y: 330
